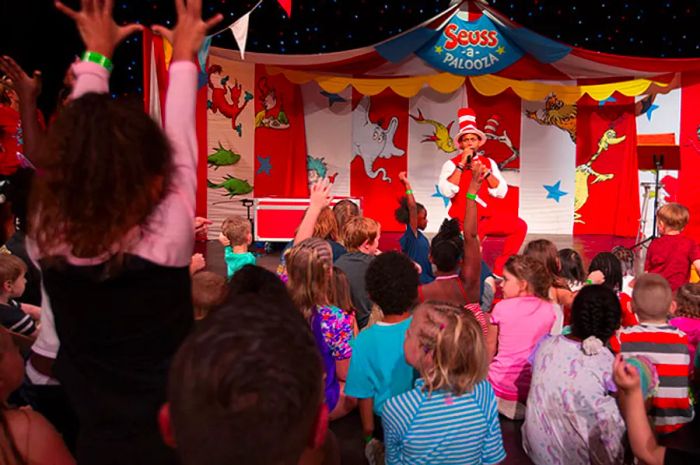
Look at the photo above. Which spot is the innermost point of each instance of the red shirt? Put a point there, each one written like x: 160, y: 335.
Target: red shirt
x: 459, y: 201
x: 672, y: 257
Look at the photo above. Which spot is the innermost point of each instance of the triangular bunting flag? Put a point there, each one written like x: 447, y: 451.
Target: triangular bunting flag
x: 286, y: 6
x: 240, y: 32
x: 154, y: 101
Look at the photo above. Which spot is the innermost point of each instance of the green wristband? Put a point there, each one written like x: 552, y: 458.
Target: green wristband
x: 368, y: 438
x: 588, y: 281
x: 409, y: 192
x: 98, y: 58
x: 471, y: 196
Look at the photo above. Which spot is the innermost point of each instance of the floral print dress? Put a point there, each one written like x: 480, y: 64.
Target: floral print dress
x: 571, y: 417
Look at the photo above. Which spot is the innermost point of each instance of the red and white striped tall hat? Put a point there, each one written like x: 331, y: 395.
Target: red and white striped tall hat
x: 467, y: 125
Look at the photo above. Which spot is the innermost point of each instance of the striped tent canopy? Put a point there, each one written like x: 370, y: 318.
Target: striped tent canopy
x: 536, y: 65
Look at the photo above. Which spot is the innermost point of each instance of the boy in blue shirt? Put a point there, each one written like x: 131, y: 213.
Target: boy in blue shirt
x: 378, y: 368
x: 236, y: 235
x: 413, y: 242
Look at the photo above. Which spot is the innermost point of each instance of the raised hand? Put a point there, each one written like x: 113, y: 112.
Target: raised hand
x: 97, y: 27
x: 190, y: 30
x: 26, y: 87
x: 223, y: 240
x: 201, y: 225
x: 197, y: 263
x: 403, y: 178
x: 320, y: 194
x: 479, y: 172
x: 625, y: 376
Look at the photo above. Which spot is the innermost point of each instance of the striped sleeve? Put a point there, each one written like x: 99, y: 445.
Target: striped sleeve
x: 14, y: 319
x: 493, y: 451
x: 397, y: 415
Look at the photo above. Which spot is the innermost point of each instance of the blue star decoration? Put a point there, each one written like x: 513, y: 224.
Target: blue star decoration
x: 264, y: 165
x: 650, y: 110
x: 439, y: 195
x: 333, y: 98
x: 607, y: 100
x: 554, y: 191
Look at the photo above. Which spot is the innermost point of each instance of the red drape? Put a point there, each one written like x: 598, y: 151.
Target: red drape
x: 606, y: 167
x: 380, y: 191
x: 689, y: 194
x: 280, y: 139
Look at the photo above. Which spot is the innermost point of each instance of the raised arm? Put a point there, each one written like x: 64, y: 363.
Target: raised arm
x: 28, y: 90
x: 471, y: 261
x: 319, y: 199
x: 641, y: 437
x: 101, y: 35
x: 459, y: 168
x: 498, y: 187
x: 411, y: 202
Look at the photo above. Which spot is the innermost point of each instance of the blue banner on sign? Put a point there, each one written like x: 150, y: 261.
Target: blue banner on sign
x: 470, y: 48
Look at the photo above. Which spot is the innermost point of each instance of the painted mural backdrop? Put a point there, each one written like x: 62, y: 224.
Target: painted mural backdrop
x: 570, y: 167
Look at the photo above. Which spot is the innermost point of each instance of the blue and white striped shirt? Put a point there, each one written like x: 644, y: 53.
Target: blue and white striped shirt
x: 442, y: 428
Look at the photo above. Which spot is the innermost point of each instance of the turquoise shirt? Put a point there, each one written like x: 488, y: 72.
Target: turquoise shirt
x: 378, y: 367
x: 236, y: 261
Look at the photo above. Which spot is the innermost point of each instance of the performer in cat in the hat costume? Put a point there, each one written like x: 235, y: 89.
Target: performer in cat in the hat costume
x: 454, y: 181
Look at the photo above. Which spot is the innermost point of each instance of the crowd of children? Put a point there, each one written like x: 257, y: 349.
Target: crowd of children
x: 152, y: 359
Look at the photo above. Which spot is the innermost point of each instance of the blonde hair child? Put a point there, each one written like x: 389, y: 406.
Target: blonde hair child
x: 446, y: 345
x: 310, y: 284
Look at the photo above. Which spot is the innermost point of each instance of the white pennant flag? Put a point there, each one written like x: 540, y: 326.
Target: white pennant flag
x: 240, y: 32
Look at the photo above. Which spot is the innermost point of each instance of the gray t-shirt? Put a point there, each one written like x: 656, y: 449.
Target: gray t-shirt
x: 355, y: 265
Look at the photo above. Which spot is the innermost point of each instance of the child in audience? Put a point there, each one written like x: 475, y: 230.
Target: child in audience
x: 450, y: 416
x: 665, y: 345
x: 672, y: 254
x: 310, y: 268
x: 378, y: 368
x: 253, y: 279
x: 112, y: 231
x: 236, y: 236
x: 626, y: 257
x: 546, y: 252
x: 460, y: 287
x: 571, y: 417
x: 518, y: 322
x: 326, y: 227
x: 18, y: 318
x: 25, y: 436
x: 611, y: 268
x: 413, y: 242
x: 447, y: 254
x: 641, y: 438
x: 344, y: 210
x: 361, y: 236
x: 687, y: 315
x: 342, y: 297
x: 319, y: 220
x: 572, y: 269
x: 208, y: 292
x: 246, y: 388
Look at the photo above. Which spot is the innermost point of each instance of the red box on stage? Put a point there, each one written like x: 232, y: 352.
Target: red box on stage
x: 277, y: 219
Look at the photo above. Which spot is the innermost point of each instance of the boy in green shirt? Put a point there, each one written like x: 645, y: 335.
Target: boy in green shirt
x: 236, y: 236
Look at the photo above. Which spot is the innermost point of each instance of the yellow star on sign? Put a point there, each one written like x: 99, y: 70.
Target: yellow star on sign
x: 438, y: 49
x: 501, y: 50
